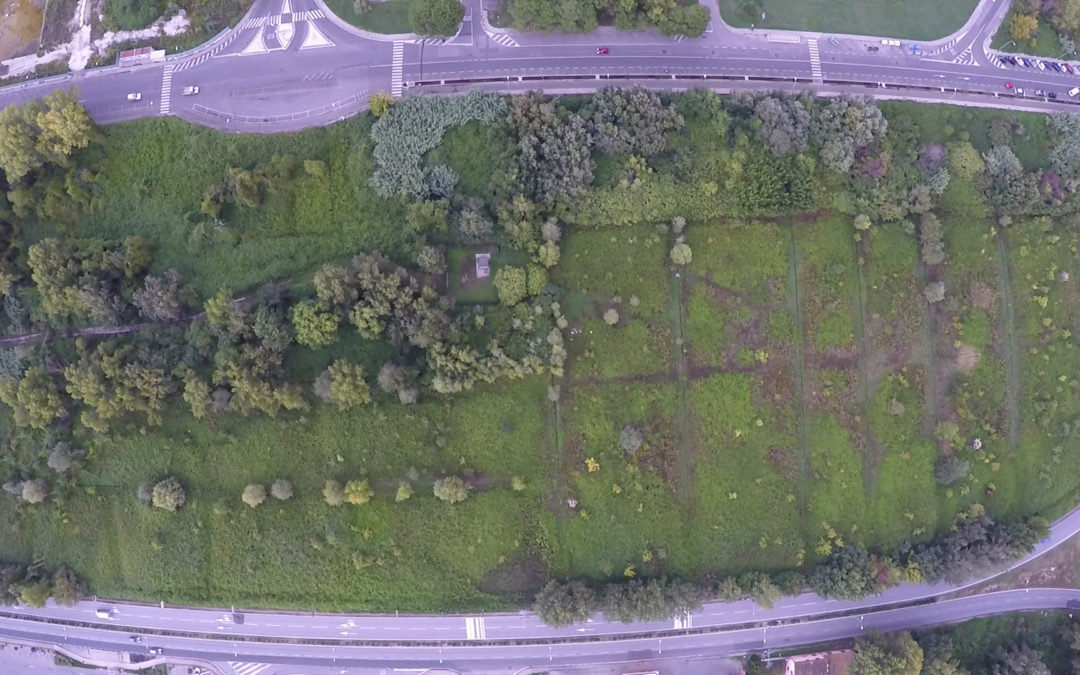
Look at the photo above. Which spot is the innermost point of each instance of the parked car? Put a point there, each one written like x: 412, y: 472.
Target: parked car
x: 1040, y: 64
x: 1012, y: 60
x: 136, y: 96
x: 1068, y: 68
x: 1055, y: 66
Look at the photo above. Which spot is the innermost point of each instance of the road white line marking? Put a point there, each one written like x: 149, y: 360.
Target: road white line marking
x: 243, y: 668
x: 815, y: 59
x: 474, y: 628
x: 395, y: 74
x: 166, y: 88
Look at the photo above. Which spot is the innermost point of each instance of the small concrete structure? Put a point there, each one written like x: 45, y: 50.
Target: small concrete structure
x: 821, y: 663
x: 483, y: 265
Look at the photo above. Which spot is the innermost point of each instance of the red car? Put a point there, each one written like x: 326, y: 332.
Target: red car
x: 1008, y: 85
x: 602, y: 50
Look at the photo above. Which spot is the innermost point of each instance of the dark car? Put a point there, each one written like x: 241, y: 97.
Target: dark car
x: 1068, y: 68
x: 135, y: 638
x: 1011, y: 60
x: 1051, y: 94
x: 602, y: 50
x: 1054, y: 66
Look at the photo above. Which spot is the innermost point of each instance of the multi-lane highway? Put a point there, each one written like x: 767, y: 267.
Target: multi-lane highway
x: 289, y: 64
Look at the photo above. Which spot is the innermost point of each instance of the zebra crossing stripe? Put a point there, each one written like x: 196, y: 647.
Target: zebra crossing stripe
x: 815, y: 59
x: 166, y: 87
x: 242, y: 668
x: 684, y: 621
x: 395, y: 73
x: 504, y: 40
x: 474, y: 628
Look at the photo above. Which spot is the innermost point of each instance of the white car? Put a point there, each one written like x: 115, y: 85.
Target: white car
x: 135, y: 97
x: 1040, y: 64
x: 1074, y: 91
x: 889, y: 42
x: 189, y: 91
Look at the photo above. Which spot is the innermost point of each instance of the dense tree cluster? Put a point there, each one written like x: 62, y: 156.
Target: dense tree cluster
x: 554, y: 161
x: 45, y: 154
x: 32, y: 586
x: 631, y: 121
x: 88, y: 279
x: 563, y: 603
x: 887, y: 654
x: 436, y: 17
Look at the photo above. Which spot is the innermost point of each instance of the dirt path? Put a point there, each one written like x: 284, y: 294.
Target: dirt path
x: 874, y: 451
x: 1012, y: 353
x: 685, y: 454
x: 794, y: 306
x: 92, y: 331
x: 930, y: 388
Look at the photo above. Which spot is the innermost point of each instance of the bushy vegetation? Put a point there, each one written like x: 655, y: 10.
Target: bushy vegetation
x: 669, y: 18
x: 673, y: 347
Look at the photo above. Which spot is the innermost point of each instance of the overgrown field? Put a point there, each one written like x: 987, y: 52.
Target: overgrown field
x: 790, y: 390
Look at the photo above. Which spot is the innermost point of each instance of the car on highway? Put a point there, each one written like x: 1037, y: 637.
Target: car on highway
x: 1051, y: 94
x: 189, y: 91
x: 135, y: 638
x: 154, y: 650
x: 1008, y: 85
x: 1074, y: 91
x: 602, y: 50
x: 135, y: 96
x: 889, y: 42
x: 104, y: 613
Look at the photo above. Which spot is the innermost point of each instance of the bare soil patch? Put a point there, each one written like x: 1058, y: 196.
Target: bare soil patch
x: 20, y: 27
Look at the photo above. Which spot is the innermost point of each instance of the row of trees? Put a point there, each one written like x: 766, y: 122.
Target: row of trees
x: 976, y: 546
x: 450, y: 489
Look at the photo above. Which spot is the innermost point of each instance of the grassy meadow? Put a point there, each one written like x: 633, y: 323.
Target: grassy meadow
x: 788, y: 383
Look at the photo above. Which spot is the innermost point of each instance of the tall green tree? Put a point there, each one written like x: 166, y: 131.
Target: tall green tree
x: 887, y: 654
x: 436, y: 17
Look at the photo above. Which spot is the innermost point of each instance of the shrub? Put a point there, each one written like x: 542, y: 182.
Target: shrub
x: 254, y: 495
x: 935, y: 292
x: 631, y: 439
x: 281, y: 489
x: 436, y: 17
x: 358, y: 492
x: 451, y: 489
x: 168, y: 494
x: 511, y: 283
x: 35, y: 491
x: 681, y: 254
x: 333, y: 493
x: 949, y: 469
x: 611, y: 316
x: 379, y: 103
x: 316, y: 326
x: 404, y: 491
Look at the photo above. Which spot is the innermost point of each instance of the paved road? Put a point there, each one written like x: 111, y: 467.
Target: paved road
x: 287, y: 65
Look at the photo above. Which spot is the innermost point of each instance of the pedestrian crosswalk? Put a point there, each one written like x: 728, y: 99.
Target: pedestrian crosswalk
x: 308, y: 15
x: 965, y: 57
x: 815, y: 59
x: 431, y: 41
x: 242, y: 668
x: 166, y: 88
x: 474, y: 628
x: 259, y: 22
x: 395, y: 72
x: 684, y: 621
x: 503, y: 39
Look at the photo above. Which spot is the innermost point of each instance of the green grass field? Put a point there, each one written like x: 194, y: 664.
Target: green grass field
x: 390, y: 17
x: 787, y: 383
x: 913, y: 19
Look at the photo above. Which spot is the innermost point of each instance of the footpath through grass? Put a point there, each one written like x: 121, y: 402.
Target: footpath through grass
x: 911, y: 19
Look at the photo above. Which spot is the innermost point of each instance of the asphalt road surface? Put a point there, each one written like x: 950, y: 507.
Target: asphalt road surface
x: 289, y: 64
